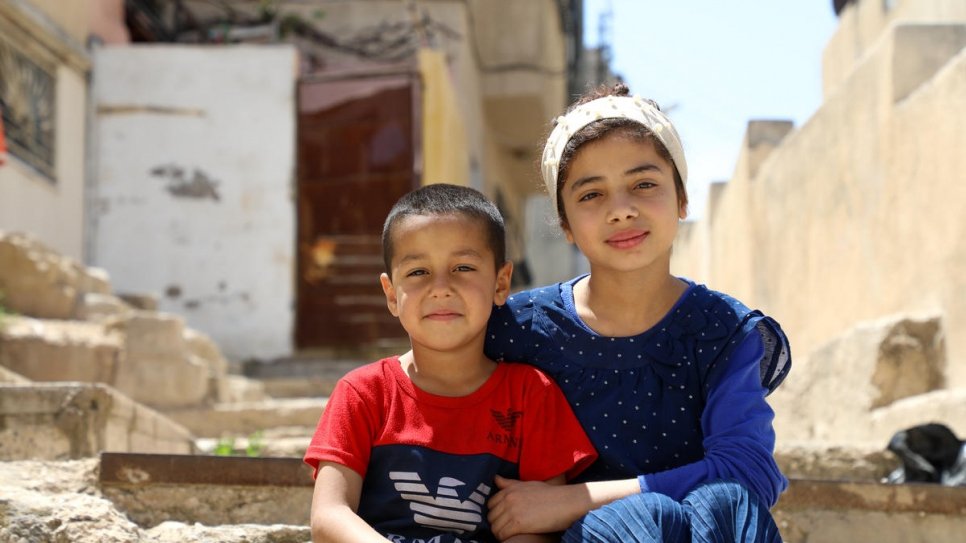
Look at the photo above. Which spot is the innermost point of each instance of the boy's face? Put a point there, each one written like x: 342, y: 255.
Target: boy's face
x: 444, y: 280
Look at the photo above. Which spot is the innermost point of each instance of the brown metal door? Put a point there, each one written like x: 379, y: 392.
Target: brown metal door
x: 356, y: 157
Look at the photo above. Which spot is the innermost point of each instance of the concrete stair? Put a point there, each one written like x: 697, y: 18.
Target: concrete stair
x: 225, y: 490
x: 60, y: 421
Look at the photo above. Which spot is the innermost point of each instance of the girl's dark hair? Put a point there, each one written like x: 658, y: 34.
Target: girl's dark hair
x: 445, y: 199
x: 607, y: 127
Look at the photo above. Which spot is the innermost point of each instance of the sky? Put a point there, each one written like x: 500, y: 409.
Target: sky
x: 713, y: 65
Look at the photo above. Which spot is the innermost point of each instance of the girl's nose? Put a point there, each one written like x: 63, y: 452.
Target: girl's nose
x: 622, y: 209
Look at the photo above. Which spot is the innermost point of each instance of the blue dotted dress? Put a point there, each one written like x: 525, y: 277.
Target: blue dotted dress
x: 681, y: 404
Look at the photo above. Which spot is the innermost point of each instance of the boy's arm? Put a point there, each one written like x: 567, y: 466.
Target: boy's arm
x: 335, y: 501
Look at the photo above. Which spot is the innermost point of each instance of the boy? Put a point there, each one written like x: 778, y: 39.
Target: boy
x: 407, y: 448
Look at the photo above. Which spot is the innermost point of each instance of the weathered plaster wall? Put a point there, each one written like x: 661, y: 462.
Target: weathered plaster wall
x: 193, y: 186
x: 858, y: 214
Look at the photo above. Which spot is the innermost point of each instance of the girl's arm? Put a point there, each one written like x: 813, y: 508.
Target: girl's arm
x: 538, y: 507
x: 335, y: 501
x: 739, y: 440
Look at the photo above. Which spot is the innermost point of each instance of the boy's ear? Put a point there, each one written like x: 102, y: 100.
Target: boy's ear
x: 390, y: 293
x: 503, y: 276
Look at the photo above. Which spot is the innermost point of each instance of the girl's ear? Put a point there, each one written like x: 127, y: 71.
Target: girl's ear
x: 567, y: 232
x: 503, y: 276
x: 391, y: 301
x: 682, y: 211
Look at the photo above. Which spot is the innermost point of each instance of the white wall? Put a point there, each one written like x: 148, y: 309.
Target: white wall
x: 221, y: 250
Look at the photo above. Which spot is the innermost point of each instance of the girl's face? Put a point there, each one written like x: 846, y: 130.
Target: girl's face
x: 621, y: 206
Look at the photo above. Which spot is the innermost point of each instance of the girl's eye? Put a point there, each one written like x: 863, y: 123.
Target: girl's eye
x: 588, y: 196
x: 644, y: 185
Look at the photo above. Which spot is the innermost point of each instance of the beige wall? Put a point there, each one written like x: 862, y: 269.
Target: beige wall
x: 861, y: 26
x: 72, y: 18
x: 858, y: 214
x: 51, y: 210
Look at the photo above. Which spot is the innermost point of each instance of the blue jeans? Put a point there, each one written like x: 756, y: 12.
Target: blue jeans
x: 718, y: 512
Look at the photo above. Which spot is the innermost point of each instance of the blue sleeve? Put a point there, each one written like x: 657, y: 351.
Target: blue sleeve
x: 739, y: 438
x: 509, y: 334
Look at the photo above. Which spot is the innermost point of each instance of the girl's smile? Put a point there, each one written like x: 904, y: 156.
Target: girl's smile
x: 627, y: 239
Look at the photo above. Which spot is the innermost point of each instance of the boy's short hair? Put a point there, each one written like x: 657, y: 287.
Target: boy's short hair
x: 446, y: 199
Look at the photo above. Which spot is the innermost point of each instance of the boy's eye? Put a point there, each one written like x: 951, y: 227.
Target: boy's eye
x: 464, y: 268
x: 644, y: 185
x: 414, y: 273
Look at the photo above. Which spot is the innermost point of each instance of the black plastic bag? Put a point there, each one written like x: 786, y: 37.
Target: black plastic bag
x: 930, y: 453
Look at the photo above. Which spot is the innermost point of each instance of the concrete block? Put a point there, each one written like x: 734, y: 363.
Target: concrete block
x: 240, y: 389
x: 203, y: 347
x: 811, y: 511
x: 943, y: 406
x: 12, y: 378
x: 832, y: 394
x: 142, y: 301
x: 245, y: 418
x: 55, y: 421
x: 822, y: 461
x: 96, y: 307
x: 919, y: 51
x: 158, y: 369
x: 35, y: 280
x: 54, y: 350
x: 204, y: 351
x: 96, y: 281
x: 153, y: 334
x: 761, y: 138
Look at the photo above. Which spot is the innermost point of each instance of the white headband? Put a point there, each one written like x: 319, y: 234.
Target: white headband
x: 610, y: 107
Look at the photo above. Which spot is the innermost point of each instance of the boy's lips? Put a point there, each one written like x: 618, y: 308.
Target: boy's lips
x: 442, y: 315
x: 627, y: 238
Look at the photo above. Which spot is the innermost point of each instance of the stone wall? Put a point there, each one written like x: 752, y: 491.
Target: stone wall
x: 857, y: 215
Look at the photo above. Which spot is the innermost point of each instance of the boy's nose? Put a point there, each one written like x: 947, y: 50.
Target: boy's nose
x: 441, y: 285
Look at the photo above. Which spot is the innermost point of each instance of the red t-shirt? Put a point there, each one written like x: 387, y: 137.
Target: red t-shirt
x: 428, y: 462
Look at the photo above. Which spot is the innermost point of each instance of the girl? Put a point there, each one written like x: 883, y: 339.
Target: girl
x: 667, y: 377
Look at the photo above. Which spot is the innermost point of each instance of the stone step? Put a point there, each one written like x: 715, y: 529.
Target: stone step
x: 244, y: 418
x: 300, y: 376
x: 225, y: 490
x: 812, y: 511
x: 62, y: 501
x: 211, y: 490
x: 59, y: 421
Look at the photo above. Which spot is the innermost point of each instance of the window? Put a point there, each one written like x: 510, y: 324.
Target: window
x: 27, y: 99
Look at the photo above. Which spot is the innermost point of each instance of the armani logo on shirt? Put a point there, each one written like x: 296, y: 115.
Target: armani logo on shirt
x: 444, y: 510
x: 507, y: 421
